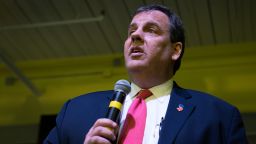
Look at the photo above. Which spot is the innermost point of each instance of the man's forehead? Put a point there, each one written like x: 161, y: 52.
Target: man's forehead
x: 152, y: 16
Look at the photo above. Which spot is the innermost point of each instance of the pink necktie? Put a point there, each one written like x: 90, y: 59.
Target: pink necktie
x: 134, y: 125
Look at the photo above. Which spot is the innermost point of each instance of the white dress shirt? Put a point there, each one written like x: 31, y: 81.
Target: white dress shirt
x: 156, y: 109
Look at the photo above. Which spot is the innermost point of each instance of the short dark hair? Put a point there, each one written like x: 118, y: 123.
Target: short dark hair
x: 176, y: 27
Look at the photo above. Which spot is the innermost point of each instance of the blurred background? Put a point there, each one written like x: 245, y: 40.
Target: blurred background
x: 54, y: 50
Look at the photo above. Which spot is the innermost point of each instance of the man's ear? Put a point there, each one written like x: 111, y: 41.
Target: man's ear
x: 177, y: 49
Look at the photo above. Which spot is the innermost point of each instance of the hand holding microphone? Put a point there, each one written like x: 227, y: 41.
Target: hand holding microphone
x: 104, y: 129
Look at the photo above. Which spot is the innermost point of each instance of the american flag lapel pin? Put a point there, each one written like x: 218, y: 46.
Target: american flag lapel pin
x: 180, y: 107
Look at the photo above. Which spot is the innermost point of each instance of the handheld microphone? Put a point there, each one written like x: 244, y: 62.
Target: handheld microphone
x: 122, y: 88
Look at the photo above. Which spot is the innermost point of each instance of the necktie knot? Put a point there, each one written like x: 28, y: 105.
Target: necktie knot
x: 143, y: 94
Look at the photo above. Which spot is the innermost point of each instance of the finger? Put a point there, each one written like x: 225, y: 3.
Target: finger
x: 116, y: 130
x: 105, y: 123
x: 94, y: 137
x: 98, y: 140
x: 104, y: 132
x: 103, y: 128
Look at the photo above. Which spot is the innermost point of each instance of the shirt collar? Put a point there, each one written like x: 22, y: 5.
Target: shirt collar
x: 158, y: 91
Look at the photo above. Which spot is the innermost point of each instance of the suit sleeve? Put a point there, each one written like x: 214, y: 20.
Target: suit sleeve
x: 56, y: 135
x: 237, y: 134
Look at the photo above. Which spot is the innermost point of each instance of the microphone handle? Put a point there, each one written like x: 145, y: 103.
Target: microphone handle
x: 115, y: 106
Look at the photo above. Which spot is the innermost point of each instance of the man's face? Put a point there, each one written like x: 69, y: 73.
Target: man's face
x: 148, y: 44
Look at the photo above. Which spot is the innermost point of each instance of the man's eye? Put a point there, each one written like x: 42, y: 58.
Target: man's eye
x: 151, y: 30
x: 130, y: 32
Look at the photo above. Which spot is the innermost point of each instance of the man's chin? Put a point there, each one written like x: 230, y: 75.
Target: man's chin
x: 135, y: 66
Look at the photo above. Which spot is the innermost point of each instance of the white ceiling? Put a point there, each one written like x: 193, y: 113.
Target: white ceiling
x: 25, y: 35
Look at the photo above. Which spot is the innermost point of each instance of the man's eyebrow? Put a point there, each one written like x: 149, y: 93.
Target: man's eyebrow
x: 132, y: 25
x: 147, y: 24
x: 153, y: 24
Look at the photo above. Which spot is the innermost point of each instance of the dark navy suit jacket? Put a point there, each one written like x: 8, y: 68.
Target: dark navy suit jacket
x: 204, y: 119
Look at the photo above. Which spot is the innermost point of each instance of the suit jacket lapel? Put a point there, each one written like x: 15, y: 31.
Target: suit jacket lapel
x: 174, y: 118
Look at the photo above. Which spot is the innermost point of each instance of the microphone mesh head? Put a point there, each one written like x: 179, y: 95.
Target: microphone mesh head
x: 123, y: 85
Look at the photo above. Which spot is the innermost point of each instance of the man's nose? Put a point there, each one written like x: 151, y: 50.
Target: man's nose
x: 137, y: 37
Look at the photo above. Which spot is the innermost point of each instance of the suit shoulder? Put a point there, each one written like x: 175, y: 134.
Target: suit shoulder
x: 213, y: 108
x: 209, y: 99
x: 84, y: 103
x: 93, y: 96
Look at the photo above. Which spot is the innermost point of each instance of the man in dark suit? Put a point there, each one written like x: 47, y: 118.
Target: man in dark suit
x: 153, y: 52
